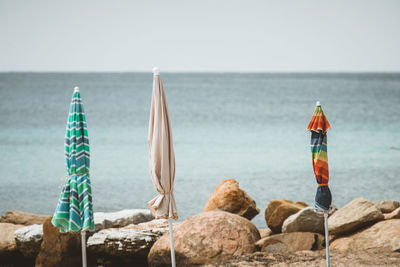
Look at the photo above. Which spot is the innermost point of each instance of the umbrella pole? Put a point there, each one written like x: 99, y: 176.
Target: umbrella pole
x: 328, y: 260
x: 83, y: 241
x: 171, y: 239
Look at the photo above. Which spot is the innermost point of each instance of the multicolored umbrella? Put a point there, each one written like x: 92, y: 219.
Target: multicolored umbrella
x: 74, y: 212
x: 162, y: 158
x: 318, y: 126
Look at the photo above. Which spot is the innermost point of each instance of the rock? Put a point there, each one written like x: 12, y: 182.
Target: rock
x: 393, y: 215
x: 292, y: 242
x: 229, y: 197
x: 265, y: 232
x: 355, y: 215
x: 387, y: 206
x: 59, y: 249
x: 126, y: 246
x: 306, y: 220
x: 28, y: 240
x: 383, y: 234
x: 278, y: 210
x: 104, y: 220
x: 24, y: 218
x: 7, y: 241
x: 206, y: 238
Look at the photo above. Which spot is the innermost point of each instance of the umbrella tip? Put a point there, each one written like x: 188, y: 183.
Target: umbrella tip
x: 318, y: 104
x: 76, y: 89
x: 156, y: 71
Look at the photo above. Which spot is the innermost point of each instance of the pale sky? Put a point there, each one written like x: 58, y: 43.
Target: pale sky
x: 215, y: 35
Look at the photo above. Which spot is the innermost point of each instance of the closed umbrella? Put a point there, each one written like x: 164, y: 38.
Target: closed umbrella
x: 74, y: 212
x: 162, y: 158
x: 318, y: 126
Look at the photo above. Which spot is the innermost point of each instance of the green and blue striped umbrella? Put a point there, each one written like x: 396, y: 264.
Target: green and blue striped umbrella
x: 74, y: 211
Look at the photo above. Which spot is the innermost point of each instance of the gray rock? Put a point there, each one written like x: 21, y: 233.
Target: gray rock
x: 104, y: 220
x: 387, y: 206
x: 28, y: 239
x: 355, y: 215
x: 130, y: 244
x: 306, y: 220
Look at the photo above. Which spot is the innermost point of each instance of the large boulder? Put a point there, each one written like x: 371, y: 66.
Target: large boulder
x: 387, y: 206
x: 291, y: 242
x: 279, y: 210
x: 21, y: 217
x: 104, y: 220
x: 7, y: 241
x: 59, y: 249
x: 205, y: 238
x: 229, y: 197
x: 355, y: 215
x: 383, y: 234
x: 126, y: 246
x: 28, y: 239
x: 306, y: 220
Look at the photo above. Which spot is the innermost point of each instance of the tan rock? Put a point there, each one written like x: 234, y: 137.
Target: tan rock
x: 21, y: 217
x: 383, y: 234
x: 230, y: 198
x: 387, y: 206
x: 59, y: 249
x: 7, y: 241
x: 393, y: 215
x: 355, y: 215
x: 265, y: 232
x: 279, y: 210
x: 292, y: 242
x: 206, y: 238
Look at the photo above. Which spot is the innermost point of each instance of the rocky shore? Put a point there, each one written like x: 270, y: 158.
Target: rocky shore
x: 362, y: 233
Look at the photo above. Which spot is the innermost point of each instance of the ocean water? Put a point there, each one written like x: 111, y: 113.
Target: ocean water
x: 247, y: 126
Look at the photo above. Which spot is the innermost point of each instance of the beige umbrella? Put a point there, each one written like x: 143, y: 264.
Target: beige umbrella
x: 162, y: 158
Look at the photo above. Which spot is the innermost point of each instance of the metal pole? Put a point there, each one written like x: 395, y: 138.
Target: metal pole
x: 171, y: 239
x: 83, y: 240
x: 328, y: 260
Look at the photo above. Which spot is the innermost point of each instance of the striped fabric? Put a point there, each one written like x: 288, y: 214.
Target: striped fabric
x: 74, y: 211
x: 318, y: 126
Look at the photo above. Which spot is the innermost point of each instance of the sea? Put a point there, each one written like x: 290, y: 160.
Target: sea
x: 246, y: 126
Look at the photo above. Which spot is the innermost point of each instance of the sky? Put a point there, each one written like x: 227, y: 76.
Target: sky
x: 206, y: 35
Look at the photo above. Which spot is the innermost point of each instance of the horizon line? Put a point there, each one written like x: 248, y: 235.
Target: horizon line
x: 214, y: 71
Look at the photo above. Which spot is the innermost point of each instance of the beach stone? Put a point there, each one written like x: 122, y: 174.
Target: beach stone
x: 206, y: 238
x: 104, y: 220
x: 393, y: 215
x: 265, y: 232
x: 7, y: 241
x: 291, y: 242
x: 306, y: 220
x: 355, y: 215
x: 230, y: 198
x: 126, y: 246
x: 384, y: 234
x: 21, y: 217
x: 28, y: 239
x: 59, y: 249
x: 387, y: 206
x: 278, y: 211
